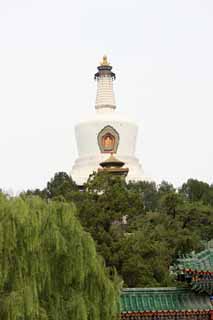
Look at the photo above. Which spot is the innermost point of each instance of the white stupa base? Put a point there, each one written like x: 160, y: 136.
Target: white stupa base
x: 85, y: 166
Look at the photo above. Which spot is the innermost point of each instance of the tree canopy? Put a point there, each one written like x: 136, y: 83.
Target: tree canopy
x: 49, y: 268
x: 140, y: 228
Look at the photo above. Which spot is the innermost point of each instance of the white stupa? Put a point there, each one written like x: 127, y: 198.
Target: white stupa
x: 106, y: 132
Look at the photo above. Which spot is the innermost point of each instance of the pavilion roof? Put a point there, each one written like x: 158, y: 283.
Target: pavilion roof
x: 202, y: 261
x: 112, y: 161
x: 163, y: 299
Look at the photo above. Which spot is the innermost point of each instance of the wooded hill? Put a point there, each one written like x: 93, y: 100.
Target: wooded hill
x: 140, y: 229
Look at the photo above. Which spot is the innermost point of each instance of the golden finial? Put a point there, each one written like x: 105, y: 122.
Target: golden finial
x: 104, y: 62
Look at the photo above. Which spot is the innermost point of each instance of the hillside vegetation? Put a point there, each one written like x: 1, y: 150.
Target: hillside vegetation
x: 140, y: 229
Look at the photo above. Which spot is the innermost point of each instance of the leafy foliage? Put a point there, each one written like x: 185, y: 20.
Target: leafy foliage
x: 195, y: 190
x: 140, y: 228
x: 49, y: 268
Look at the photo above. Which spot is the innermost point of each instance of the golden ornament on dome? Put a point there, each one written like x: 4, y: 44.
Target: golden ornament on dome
x: 104, y: 62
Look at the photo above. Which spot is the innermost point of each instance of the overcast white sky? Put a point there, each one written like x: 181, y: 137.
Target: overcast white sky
x: 162, y: 53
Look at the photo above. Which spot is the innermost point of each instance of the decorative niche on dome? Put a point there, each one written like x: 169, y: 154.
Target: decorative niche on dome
x: 108, y: 140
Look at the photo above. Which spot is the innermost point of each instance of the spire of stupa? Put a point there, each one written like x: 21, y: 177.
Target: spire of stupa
x: 105, y: 99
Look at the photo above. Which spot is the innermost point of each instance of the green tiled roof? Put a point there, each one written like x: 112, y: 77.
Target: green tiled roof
x: 163, y: 299
x: 202, y: 286
x: 202, y: 261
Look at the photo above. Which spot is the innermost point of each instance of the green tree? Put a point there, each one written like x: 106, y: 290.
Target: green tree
x: 61, y: 185
x: 49, y: 269
x: 148, y: 193
x: 165, y: 187
x: 106, y: 202
x: 194, y: 190
x: 170, y: 202
x: 198, y: 218
x: 144, y: 262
